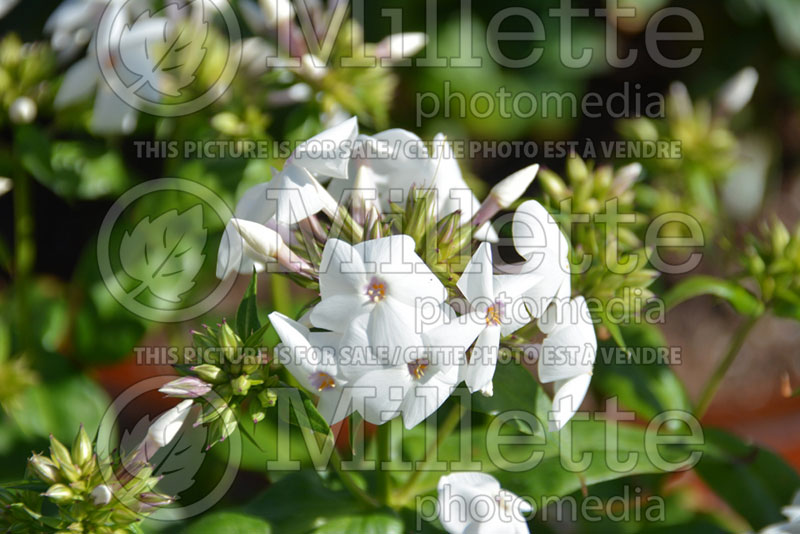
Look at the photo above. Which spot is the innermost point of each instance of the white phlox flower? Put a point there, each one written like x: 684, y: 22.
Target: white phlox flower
x: 311, y: 357
x: 792, y: 525
x: 567, y: 356
x: 474, y: 503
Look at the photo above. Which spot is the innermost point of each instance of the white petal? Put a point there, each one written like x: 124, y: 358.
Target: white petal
x: 342, y: 270
x: 483, y: 360
x: 379, y: 394
x: 424, y: 399
x: 399, y: 46
x: 538, y: 238
x: 568, y: 398
x: 391, y: 329
x: 253, y: 205
x: 335, y: 404
x: 336, y: 312
x: 458, y: 492
x: 570, y: 347
x: 166, y: 427
x: 509, y: 189
x: 111, y: 114
x: 79, y: 82
x: 328, y: 153
x: 476, y: 283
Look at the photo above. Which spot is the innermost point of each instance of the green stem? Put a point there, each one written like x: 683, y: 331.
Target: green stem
x: 279, y: 291
x: 719, y: 373
x: 384, y: 455
x: 448, y: 426
x: 24, y: 250
x: 350, y: 483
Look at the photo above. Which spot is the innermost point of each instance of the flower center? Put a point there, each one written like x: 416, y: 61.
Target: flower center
x: 322, y: 381
x: 376, y: 290
x: 418, y: 367
x: 493, y: 315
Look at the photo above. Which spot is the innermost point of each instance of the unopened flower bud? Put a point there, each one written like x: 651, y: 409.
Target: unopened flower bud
x: 188, y: 387
x: 61, y: 454
x: 155, y: 499
x: 22, y: 110
x: 738, y: 91
x: 268, y: 398
x: 210, y: 373
x: 511, y: 188
x: 5, y: 185
x: 166, y: 427
x: 399, y: 46
x: 577, y: 171
x: 82, y: 448
x: 624, y: 179
x: 313, y: 68
x: 44, y: 468
x: 553, y: 185
x: 101, y: 495
x: 240, y: 385
x: 59, y: 493
x: 680, y: 103
x: 267, y: 246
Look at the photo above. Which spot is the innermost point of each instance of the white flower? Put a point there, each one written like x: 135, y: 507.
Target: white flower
x: 72, y: 25
x: 111, y: 114
x: 22, y: 110
x: 792, y: 513
x: 545, y: 273
x: 413, y: 382
x: 188, y: 387
x: 381, y: 278
x: 491, y: 317
x: 165, y: 428
x: 737, y: 92
x: 474, y: 503
x: 311, y: 358
x: 567, y: 357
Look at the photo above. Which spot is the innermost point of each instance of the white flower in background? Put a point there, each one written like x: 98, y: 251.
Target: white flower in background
x: 545, y: 273
x: 413, y: 382
x: 381, y: 278
x: 246, y: 245
x: 474, y: 503
x: 73, y: 24
x: 111, y: 114
x: 165, y: 428
x: 311, y: 358
x: 737, y: 92
x: 328, y: 153
x: 567, y: 356
x: 490, y: 317
x: 22, y: 110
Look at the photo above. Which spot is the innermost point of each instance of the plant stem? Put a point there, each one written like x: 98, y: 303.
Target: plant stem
x: 719, y: 373
x: 384, y: 437
x: 24, y: 251
x: 349, y: 482
x: 279, y: 289
x: 447, y: 428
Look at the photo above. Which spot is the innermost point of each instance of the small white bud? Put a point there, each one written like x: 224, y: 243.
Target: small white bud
x: 400, y: 46
x: 166, y: 427
x: 312, y: 67
x: 5, y: 185
x: 624, y: 178
x: 488, y: 390
x: 738, y: 91
x: 101, y: 495
x: 265, y: 243
x: 508, y: 190
x: 22, y: 110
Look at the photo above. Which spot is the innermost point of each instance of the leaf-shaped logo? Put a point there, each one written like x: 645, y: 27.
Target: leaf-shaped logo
x: 168, y: 42
x: 165, y: 254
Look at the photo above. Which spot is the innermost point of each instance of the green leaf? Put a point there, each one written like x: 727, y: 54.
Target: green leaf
x: 247, y: 315
x: 754, y: 481
x: 229, y: 523
x: 740, y: 298
x: 515, y: 389
x: 644, y: 386
x: 375, y: 523
x: 307, y: 416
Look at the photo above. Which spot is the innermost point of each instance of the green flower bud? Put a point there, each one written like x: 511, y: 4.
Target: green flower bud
x: 553, y: 185
x: 82, y: 448
x: 268, y: 398
x: 228, y: 123
x: 44, y: 468
x: 229, y: 341
x: 240, y: 385
x: 210, y: 373
x: 577, y: 171
x: 59, y: 493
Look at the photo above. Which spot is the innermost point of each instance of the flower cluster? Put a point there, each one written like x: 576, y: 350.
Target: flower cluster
x: 406, y: 310
x: 103, y: 495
